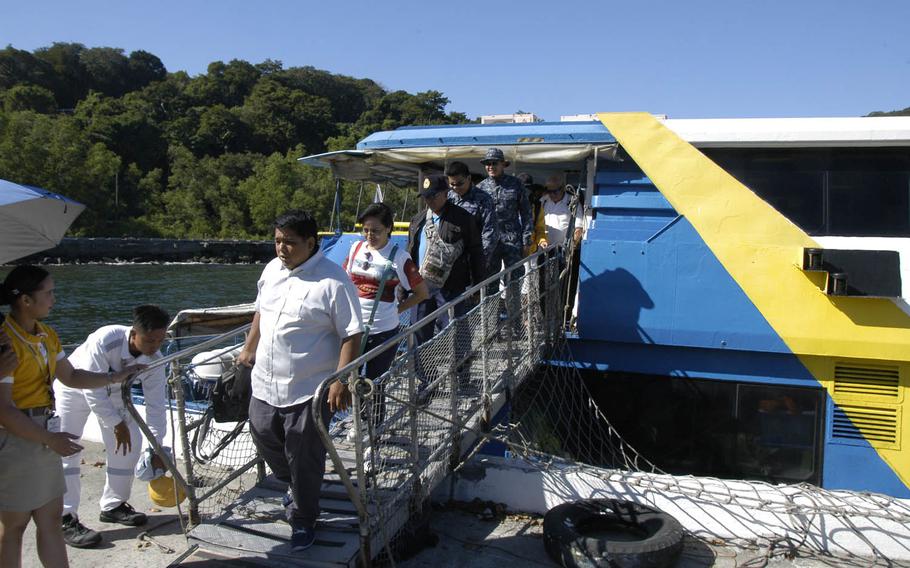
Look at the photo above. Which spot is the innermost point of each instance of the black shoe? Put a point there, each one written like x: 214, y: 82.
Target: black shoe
x: 125, y: 515
x: 78, y: 535
x: 301, y: 537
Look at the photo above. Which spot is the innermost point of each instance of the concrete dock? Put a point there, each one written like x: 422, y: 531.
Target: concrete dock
x: 468, y: 536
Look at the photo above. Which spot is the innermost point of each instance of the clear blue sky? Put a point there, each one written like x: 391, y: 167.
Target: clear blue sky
x: 683, y: 58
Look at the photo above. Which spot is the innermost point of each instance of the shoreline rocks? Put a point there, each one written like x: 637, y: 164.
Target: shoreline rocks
x: 142, y: 250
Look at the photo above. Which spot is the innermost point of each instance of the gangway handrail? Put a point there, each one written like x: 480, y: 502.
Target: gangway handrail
x: 433, y: 316
x: 351, y: 371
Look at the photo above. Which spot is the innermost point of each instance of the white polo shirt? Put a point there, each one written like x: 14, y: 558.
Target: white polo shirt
x: 304, y: 314
x: 108, y: 349
x: 556, y: 216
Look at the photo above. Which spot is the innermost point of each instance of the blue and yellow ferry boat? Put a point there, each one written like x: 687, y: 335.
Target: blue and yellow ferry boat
x: 741, y: 303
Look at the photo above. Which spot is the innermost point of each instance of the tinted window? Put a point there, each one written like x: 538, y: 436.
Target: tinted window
x: 829, y: 191
x: 717, y: 428
x: 868, y: 203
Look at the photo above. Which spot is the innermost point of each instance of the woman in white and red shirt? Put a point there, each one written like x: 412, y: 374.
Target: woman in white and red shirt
x: 365, y: 263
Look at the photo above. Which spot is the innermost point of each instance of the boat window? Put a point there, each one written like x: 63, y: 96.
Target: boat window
x: 864, y: 202
x: 829, y: 191
x: 725, y: 429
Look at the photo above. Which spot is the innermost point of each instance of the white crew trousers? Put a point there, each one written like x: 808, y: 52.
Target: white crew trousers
x: 74, y: 411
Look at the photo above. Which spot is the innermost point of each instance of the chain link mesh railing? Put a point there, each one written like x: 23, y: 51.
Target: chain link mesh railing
x: 454, y: 370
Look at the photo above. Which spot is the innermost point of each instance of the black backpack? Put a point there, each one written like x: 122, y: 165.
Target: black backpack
x: 231, y: 395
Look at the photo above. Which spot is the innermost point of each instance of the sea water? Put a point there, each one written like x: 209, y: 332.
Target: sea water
x: 92, y: 295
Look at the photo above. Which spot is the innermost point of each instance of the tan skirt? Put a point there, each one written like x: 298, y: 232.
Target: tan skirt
x: 31, y: 475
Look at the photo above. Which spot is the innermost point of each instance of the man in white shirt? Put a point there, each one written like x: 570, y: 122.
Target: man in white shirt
x: 555, y: 208
x: 307, y: 325
x: 110, y: 349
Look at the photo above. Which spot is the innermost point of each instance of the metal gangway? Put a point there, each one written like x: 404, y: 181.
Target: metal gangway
x: 405, y: 434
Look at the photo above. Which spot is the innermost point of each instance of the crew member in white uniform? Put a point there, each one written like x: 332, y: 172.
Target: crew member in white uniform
x: 111, y: 348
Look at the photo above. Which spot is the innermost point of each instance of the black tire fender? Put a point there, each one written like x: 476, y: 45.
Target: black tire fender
x: 600, y: 533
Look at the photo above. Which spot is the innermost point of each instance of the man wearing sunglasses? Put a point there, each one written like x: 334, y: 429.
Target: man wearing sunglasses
x: 555, y: 207
x: 463, y: 193
x: 513, y: 215
x: 513, y: 211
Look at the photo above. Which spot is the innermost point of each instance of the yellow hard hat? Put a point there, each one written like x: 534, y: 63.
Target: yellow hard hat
x: 162, y: 492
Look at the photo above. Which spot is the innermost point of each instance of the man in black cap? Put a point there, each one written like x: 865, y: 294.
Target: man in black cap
x: 445, y: 242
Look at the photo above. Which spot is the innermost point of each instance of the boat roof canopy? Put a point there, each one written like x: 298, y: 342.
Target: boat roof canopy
x: 403, y: 166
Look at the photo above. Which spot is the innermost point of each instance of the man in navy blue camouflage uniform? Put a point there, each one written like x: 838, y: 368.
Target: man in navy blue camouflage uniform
x: 463, y: 193
x: 516, y: 224
x: 513, y: 211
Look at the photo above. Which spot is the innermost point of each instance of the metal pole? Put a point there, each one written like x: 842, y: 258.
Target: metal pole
x: 337, y: 463
x: 485, y: 365
x: 412, y: 398
x: 357, y: 210
x: 365, y: 528
x: 509, y: 316
x: 337, y: 206
x: 533, y: 299
x: 453, y: 386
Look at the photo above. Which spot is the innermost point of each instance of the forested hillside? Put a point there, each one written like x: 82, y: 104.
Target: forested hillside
x: 905, y: 112
x: 154, y: 153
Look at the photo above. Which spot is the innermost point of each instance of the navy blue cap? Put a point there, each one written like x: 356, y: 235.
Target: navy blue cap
x: 493, y: 155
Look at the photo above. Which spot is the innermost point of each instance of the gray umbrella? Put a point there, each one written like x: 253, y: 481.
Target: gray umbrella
x: 32, y: 219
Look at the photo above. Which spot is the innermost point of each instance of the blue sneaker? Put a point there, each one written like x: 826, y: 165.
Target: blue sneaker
x: 302, y: 538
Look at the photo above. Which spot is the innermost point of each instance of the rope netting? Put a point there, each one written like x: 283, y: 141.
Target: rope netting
x: 570, y: 434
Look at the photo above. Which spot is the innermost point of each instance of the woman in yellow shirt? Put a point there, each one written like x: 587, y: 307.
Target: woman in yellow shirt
x: 31, y: 473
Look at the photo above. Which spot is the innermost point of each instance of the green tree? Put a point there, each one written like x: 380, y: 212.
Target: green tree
x: 19, y: 67
x: 224, y: 84
x: 220, y: 131
x: 108, y: 70
x: 279, y: 183
x: 54, y: 153
x: 125, y: 126
x: 394, y: 110
x: 29, y: 97
x: 281, y: 117
x: 144, y: 68
x: 202, y: 197
x: 70, y: 77
x: 152, y: 152
x: 349, y: 97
